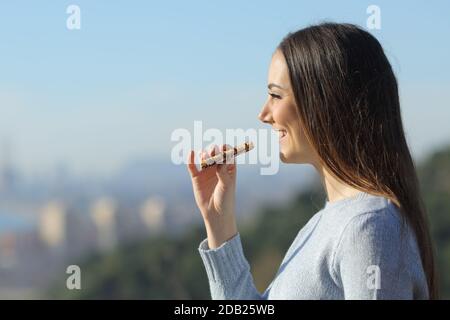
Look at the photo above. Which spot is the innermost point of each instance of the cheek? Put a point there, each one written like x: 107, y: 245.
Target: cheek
x: 303, y: 149
x: 301, y: 138
x: 284, y: 114
x: 297, y: 135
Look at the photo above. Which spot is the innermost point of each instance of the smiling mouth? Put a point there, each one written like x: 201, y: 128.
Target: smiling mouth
x: 282, y: 134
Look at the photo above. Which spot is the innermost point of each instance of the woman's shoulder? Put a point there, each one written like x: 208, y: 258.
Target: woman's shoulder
x: 365, y: 210
x: 374, y: 224
x: 367, y: 221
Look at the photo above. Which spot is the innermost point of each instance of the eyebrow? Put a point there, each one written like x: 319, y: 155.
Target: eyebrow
x: 271, y: 85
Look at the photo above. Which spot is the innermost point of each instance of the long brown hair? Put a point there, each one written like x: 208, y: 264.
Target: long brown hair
x: 348, y: 105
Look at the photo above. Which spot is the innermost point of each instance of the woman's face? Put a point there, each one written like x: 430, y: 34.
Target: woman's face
x: 280, y: 110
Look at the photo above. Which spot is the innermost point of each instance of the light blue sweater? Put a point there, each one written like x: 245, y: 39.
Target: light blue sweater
x: 351, y: 249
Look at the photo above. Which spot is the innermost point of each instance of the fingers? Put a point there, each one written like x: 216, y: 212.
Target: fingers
x: 213, y: 150
x: 226, y: 171
x: 203, y: 155
x: 229, y: 160
x: 226, y: 164
x: 192, y: 168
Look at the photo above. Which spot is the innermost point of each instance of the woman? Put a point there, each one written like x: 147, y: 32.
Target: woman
x: 333, y: 98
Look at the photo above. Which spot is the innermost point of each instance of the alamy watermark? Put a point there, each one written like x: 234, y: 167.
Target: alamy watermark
x: 374, y: 19
x: 266, y: 152
x: 74, y: 279
x: 373, y: 279
x: 73, y: 21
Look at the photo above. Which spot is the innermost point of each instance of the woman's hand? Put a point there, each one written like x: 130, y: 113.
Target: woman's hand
x: 214, y: 191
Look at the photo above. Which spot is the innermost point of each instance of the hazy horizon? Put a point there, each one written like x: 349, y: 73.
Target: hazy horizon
x: 96, y: 98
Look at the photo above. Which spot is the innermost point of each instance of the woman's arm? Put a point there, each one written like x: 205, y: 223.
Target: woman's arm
x: 375, y: 260
x: 214, y: 191
x: 228, y: 271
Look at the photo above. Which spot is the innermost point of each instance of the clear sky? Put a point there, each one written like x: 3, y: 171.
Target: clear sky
x: 114, y: 90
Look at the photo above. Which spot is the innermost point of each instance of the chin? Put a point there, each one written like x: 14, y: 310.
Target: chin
x: 289, y: 157
x: 285, y: 158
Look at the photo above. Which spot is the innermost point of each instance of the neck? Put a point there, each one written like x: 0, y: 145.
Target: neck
x: 335, y: 188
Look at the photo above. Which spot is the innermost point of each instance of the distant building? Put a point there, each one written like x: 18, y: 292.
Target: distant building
x: 52, y: 224
x: 8, y: 257
x: 8, y: 174
x: 103, y: 213
x: 153, y: 213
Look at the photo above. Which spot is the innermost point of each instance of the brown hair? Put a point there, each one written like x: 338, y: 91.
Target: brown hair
x: 348, y: 104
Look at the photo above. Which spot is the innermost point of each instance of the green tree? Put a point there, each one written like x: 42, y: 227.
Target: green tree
x: 164, y: 268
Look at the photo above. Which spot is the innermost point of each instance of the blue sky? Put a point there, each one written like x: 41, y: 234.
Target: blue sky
x: 115, y: 90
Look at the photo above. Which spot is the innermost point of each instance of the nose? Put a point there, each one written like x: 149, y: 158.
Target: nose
x: 265, y: 115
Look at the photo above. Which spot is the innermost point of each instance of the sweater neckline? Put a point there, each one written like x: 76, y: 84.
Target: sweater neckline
x: 331, y: 204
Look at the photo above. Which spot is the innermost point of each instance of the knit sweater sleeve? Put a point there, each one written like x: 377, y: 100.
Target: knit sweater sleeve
x: 369, y: 259
x: 228, y: 271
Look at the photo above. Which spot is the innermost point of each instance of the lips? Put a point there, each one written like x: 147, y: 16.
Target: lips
x: 281, y: 133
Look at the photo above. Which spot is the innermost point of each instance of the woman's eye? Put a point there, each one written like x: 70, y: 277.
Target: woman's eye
x: 275, y: 96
